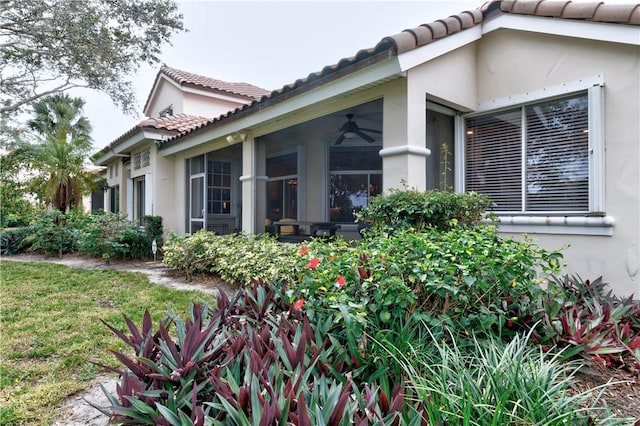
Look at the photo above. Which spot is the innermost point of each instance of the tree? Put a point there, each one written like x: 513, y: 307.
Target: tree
x: 50, y: 46
x: 60, y: 160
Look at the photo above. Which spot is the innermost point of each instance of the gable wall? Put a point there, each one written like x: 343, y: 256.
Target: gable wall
x: 205, y: 106
x: 512, y: 63
x: 166, y: 94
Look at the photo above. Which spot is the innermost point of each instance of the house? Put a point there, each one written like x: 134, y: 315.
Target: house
x: 534, y: 103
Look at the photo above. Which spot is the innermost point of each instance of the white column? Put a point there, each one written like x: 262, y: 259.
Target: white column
x: 404, y: 139
x: 148, y: 194
x: 248, y: 182
x: 129, y: 205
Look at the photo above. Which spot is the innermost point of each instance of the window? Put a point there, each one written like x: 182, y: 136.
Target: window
x: 355, y: 175
x: 440, y: 141
x: 219, y: 187
x: 139, y: 200
x: 534, y: 158
x: 114, y: 199
x: 196, y: 190
x: 282, y: 186
x: 110, y: 171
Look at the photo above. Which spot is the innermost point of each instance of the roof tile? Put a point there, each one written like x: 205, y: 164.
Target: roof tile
x: 413, y: 38
x: 551, y: 8
x: 521, y: 7
x: 174, y: 123
x: 187, y: 78
x: 467, y: 20
x: 422, y: 34
x: 617, y: 13
x: 439, y: 29
x: 576, y: 10
x: 453, y: 24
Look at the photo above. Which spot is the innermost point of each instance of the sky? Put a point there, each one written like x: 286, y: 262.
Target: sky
x: 268, y: 44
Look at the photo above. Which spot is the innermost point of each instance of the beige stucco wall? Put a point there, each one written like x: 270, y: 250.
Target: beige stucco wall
x: 163, y: 188
x: 206, y: 106
x: 501, y: 64
x: 511, y: 63
x: 449, y: 79
x: 166, y: 94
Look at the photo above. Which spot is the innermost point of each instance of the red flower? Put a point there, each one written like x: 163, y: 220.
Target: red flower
x: 341, y: 281
x: 303, y: 250
x: 299, y: 304
x: 313, y: 263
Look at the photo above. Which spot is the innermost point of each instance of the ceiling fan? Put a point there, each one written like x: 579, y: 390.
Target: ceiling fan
x: 350, y: 130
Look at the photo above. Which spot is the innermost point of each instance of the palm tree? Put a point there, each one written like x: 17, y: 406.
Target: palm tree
x: 60, y: 158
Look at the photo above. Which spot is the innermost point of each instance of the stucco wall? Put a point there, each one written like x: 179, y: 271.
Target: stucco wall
x: 511, y: 63
x: 166, y: 94
x: 205, y: 106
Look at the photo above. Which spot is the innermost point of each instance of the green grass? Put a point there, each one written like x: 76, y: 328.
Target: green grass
x: 51, y: 331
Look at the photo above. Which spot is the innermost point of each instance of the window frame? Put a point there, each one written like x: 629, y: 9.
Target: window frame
x: 593, y: 222
x: 212, y: 188
x: 595, y: 113
x: 283, y: 180
x: 366, y: 172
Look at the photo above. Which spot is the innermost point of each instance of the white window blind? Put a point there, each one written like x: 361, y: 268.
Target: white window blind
x: 534, y: 158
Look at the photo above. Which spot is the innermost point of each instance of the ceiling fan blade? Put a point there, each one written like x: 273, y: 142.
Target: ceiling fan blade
x: 365, y: 136
x: 340, y: 139
x: 371, y: 130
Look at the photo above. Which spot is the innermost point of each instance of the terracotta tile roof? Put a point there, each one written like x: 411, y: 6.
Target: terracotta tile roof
x: 409, y: 39
x: 174, y: 126
x: 185, y: 78
x: 179, y: 123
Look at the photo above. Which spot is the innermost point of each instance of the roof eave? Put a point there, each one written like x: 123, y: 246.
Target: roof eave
x: 127, y: 145
x: 270, y: 109
x: 374, y: 68
x: 590, y: 30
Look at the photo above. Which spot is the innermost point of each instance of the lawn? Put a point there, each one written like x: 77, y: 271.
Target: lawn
x: 52, y: 334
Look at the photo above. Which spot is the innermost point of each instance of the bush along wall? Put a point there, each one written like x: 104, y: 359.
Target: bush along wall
x: 419, y: 211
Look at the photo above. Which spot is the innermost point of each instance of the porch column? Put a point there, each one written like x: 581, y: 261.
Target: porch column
x: 248, y: 181
x: 404, y: 139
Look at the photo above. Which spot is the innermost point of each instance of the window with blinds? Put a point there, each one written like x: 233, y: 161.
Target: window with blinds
x: 534, y: 158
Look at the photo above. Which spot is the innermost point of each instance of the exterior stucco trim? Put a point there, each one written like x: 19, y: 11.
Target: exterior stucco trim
x: 403, y: 150
x: 567, y: 225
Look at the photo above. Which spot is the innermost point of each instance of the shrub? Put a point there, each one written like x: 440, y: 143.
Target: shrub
x: 410, y: 209
x: 253, y: 359
x: 12, y: 241
x: 237, y: 258
x: 582, y: 320
x: 468, y: 280
x: 53, y: 233
x: 99, y: 236
x: 112, y: 236
x: 490, y: 382
x: 153, y: 228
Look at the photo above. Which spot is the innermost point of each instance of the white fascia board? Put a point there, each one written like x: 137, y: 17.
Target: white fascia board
x: 369, y: 75
x: 216, y: 95
x: 122, y: 148
x: 600, y: 31
x: 438, y: 48
x: 155, y: 135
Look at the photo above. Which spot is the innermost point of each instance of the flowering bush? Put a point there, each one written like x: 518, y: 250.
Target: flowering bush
x: 465, y: 279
